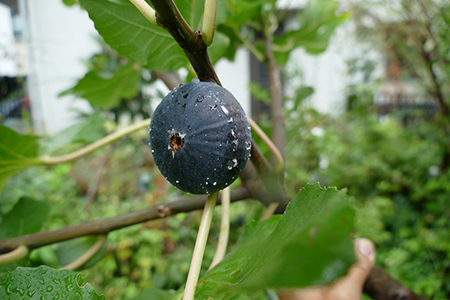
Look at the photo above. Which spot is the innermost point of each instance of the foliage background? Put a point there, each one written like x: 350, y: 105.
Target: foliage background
x: 392, y: 171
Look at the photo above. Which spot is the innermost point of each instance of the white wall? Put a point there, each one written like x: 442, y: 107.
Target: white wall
x: 60, y: 39
x: 8, y: 52
x: 327, y: 72
x: 235, y: 77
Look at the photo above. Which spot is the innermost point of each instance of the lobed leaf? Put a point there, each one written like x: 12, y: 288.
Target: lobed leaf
x: 124, y: 28
x: 309, y: 245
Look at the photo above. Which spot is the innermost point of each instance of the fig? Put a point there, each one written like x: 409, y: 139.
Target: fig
x: 200, y: 137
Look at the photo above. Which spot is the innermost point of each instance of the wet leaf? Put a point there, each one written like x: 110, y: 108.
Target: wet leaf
x: 44, y: 283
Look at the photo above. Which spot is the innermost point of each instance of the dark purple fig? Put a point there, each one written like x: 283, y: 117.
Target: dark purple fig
x: 200, y: 138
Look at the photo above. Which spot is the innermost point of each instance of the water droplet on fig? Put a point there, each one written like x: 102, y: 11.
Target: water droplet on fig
x: 235, y: 162
x: 225, y: 110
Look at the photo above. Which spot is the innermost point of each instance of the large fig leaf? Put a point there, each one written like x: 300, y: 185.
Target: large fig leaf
x: 124, y: 28
x: 310, y: 244
x: 44, y: 283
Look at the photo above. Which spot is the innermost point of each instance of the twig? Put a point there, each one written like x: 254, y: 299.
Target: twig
x: 104, y: 226
x: 199, y: 248
x: 146, y: 10
x: 224, y: 229
x: 86, y: 256
x: 209, y: 21
x: 170, y: 78
x: 275, y: 84
x: 46, y: 160
x: 269, y: 211
x: 14, y: 255
x: 275, y: 152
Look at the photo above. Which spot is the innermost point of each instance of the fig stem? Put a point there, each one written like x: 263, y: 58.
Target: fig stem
x: 146, y: 10
x: 209, y: 22
x: 46, y: 160
x: 14, y: 255
x: 86, y: 255
x: 276, y: 153
x: 224, y: 228
x: 199, y: 248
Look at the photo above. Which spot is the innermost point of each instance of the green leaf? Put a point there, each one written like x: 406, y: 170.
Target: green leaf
x: 69, y: 2
x: 17, y: 152
x: 192, y: 12
x: 44, y: 283
x: 106, y: 92
x: 69, y: 251
x: 26, y: 217
x: 301, y: 94
x: 309, y: 245
x: 124, y: 28
x: 259, y: 93
x: 318, y: 22
x: 89, y: 131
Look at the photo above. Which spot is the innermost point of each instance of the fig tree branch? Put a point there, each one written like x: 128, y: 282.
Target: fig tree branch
x: 275, y: 84
x: 169, y: 17
x: 104, y: 226
x: 46, y: 160
x: 170, y: 78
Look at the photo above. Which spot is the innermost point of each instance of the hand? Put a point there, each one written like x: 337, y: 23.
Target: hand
x: 347, y: 288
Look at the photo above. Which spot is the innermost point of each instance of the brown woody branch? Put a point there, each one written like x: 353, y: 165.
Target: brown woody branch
x: 104, y: 226
x: 381, y: 286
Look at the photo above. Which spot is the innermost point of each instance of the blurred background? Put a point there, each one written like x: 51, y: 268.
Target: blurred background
x: 366, y: 104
